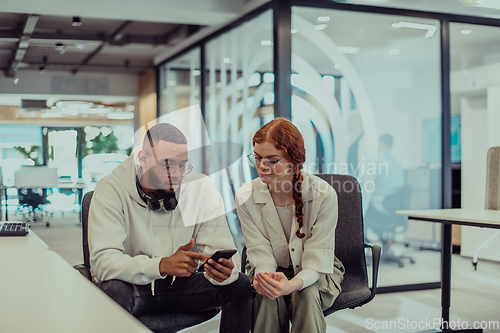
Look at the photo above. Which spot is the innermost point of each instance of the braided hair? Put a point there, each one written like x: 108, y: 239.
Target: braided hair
x: 285, y: 136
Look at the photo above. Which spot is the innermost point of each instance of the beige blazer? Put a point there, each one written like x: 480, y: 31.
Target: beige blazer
x: 265, y: 239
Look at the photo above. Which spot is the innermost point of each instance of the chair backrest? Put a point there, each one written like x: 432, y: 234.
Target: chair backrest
x: 85, y: 227
x: 349, y: 237
x: 400, y: 200
x: 493, y: 179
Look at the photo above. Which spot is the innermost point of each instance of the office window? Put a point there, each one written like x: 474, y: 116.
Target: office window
x: 180, y: 82
x: 239, y: 91
x: 364, y: 86
x: 19, y: 145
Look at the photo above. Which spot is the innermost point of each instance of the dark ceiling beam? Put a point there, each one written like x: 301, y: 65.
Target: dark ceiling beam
x: 22, y: 45
x: 117, y: 35
x: 106, y: 38
x: 166, y: 38
x: 96, y: 68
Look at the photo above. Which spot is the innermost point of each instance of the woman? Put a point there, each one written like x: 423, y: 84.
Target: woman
x: 288, y: 220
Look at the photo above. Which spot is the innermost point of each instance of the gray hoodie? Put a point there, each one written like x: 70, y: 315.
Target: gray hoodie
x: 127, y: 240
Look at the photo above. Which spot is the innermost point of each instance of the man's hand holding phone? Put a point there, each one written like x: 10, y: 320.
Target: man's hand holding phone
x: 219, y: 266
x: 182, y: 262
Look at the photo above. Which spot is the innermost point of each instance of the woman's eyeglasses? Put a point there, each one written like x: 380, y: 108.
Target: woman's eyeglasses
x: 268, y: 162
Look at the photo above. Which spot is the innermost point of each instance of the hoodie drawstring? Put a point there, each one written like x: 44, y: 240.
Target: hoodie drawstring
x: 152, y: 247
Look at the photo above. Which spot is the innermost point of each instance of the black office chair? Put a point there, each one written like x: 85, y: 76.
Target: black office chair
x: 157, y: 322
x: 387, y: 224
x: 32, y: 202
x: 349, y: 246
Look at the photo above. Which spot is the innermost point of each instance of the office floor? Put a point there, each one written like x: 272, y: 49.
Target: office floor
x: 475, y: 294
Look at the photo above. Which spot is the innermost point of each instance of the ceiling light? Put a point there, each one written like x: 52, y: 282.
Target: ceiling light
x: 431, y: 29
x: 320, y: 27
x: 348, y: 49
x: 268, y: 77
x: 196, y: 72
x: 394, y: 51
x: 266, y: 42
x: 76, y: 21
x: 465, y: 31
x: 60, y: 48
x: 324, y: 18
x: 51, y: 114
x: 493, y: 4
x: 80, y: 46
x: 329, y: 82
x: 337, y: 66
x: 70, y: 112
x: 227, y: 60
x: 269, y: 98
x: 120, y: 115
x: 294, y: 31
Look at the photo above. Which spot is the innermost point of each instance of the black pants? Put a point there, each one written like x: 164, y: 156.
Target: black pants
x: 192, y: 294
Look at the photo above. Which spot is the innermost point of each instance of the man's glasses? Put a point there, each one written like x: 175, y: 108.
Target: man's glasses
x: 170, y: 170
x: 268, y: 162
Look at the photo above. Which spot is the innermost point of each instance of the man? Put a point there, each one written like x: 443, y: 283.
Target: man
x: 150, y: 222
x: 391, y: 173
x: 390, y: 179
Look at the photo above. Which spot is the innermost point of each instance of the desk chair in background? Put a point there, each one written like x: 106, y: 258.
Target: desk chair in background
x: 386, y: 225
x: 32, y: 183
x: 165, y: 322
x: 349, y: 246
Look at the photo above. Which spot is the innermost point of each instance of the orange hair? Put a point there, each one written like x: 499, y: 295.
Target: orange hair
x: 285, y: 136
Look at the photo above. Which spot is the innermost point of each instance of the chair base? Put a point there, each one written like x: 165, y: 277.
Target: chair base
x: 397, y: 259
x: 389, y: 257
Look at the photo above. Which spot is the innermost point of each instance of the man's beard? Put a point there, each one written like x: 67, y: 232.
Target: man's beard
x: 163, y: 193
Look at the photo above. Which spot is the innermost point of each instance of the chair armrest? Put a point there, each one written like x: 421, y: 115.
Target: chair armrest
x: 375, y: 263
x: 83, y: 270
x: 243, y: 260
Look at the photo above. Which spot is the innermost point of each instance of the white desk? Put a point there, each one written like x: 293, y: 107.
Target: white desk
x: 71, y: 185
x: 42, y: 293
x: 482, y: 218
x: 30, y: 242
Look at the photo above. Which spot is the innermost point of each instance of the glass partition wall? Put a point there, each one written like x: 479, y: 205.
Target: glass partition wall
x: 239, y: 90
x: 180, y: 82
x: 237, y: 100
x: 370, y: 94
x: 475, y: 96
x: 358, y: 85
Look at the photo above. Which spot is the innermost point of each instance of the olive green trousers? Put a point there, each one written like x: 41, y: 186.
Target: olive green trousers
x: 303, y: 308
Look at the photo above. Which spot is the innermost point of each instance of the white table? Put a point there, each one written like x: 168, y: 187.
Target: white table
x: 30, y: 242
x: 42, y: 293
x: 482, y: 218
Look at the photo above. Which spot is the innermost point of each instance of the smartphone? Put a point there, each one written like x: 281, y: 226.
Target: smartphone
x: 226, y: 254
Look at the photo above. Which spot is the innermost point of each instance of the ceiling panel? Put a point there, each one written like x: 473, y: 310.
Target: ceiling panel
x: 95, y: 42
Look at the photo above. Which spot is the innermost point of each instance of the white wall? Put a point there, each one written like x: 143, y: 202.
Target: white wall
x: 480, y: 122
x: 401, y: 100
